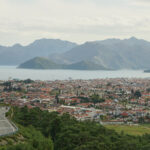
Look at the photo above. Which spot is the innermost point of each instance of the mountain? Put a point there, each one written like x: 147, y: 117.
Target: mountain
x: 130, y: 53
x: 147, y: 71
x: 85, y: 65
x: 40, y: 63
x: 44, y: 63
x: 18, y: 54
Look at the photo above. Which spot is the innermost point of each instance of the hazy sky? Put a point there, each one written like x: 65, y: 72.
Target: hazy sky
x: 23, y: 21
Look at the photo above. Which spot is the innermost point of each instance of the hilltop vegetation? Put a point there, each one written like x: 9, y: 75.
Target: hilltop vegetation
x: 69, y: 134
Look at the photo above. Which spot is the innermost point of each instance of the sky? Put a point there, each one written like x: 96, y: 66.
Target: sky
x: 23, y: 21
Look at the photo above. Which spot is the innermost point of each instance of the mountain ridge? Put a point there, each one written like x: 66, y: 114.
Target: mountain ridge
x: 17, y: 54
x: 130, y: 53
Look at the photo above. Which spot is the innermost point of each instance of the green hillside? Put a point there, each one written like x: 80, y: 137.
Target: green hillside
x: 37, y: 128
x: 28, y: 138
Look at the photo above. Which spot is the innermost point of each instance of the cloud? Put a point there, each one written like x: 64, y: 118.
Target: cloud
x: 75, y: 20
x: 141, y: 2
x: 21, y: 1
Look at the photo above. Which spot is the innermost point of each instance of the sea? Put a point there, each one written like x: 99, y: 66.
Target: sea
x: 12, y: 72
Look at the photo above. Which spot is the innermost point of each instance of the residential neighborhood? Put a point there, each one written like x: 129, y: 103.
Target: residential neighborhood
x: 107, y: 101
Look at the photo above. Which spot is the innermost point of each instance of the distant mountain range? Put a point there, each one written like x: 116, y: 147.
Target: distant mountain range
x: 115, y: 54
x: 44, y: 63
x: 18, y: 54
x: 112, y: 53
x: 147, y: 71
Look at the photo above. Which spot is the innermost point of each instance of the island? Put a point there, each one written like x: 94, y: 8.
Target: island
x: 147, y: 71
x: 45, y: 63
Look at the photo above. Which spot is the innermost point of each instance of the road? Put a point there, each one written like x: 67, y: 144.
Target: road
x: 5, y: 126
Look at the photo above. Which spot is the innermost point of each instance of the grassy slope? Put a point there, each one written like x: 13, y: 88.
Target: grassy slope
x: 131, y: 130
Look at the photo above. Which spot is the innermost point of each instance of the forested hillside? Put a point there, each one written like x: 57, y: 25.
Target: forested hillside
x: 39, y: 127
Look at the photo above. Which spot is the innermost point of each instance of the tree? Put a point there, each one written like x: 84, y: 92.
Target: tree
x: 96, y: 99
x: 137, y: 94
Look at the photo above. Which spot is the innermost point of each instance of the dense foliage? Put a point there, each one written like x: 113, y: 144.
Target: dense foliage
x: 95, y: 98
x: 69, y: 134
x: 28, y: 138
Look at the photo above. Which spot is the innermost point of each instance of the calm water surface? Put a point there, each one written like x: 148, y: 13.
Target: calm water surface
x: 7, y: 72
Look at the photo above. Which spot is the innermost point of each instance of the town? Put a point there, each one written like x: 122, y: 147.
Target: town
x: 107, y: 101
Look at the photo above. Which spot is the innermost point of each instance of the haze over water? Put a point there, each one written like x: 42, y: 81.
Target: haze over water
x: 11, y: 71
